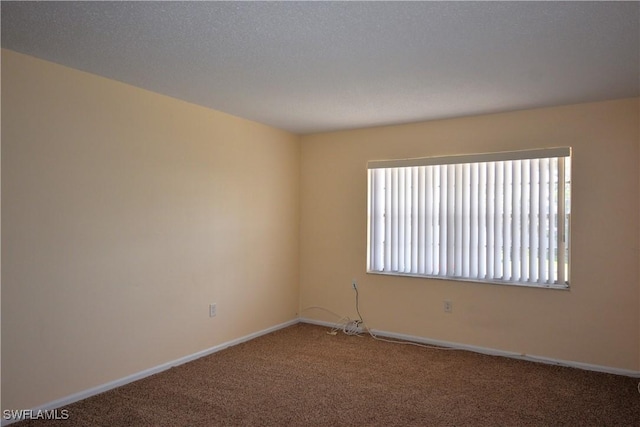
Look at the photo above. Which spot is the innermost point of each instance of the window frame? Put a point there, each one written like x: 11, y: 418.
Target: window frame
x: 564, y: 223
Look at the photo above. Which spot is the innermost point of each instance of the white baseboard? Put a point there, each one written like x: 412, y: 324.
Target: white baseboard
x: 156, y: 369
x: 151, y: 371
x: 491, y: 352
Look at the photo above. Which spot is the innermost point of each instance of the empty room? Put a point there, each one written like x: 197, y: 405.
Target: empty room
x: 320, y: 213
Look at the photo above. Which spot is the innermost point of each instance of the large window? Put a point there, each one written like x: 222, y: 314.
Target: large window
x: 500, y: 217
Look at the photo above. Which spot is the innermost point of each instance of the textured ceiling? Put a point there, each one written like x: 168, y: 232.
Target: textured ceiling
x: 318, y: 66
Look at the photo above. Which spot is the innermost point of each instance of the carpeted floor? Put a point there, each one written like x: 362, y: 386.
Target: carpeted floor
x: 302, y: 376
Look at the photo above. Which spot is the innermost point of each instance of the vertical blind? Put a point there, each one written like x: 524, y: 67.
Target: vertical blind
x: 491, y: 217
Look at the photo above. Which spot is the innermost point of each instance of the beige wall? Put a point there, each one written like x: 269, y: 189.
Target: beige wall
x: 125, y: 213
x: 596, y: 322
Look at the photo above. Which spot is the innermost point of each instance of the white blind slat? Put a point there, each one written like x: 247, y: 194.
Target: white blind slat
x: 402, y: 205
x: 553, y: 219
x: 473, y: 220
x: 561, y: 222
x: 451, y: 230
x: 461, y: 246
x: 415, y: 217
x: 524, y: 222
x: 442, y: 221
x: 462, y: 241
x: 492, y: 229
x: 534, y: 219
x: 482, y: 221
x: 543, y: 248
x: 499, y: 249
x: 426, y: 233
x: 507, y: 219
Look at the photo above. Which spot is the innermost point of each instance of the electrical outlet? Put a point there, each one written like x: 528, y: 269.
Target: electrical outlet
x: 354, y: 284
x: 212, y: 310
x: 354, y: 327
x: 448, y: 306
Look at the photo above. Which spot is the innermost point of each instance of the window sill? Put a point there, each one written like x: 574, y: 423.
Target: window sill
x: 564, y: 287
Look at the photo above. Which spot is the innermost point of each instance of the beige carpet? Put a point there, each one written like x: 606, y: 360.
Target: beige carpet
x: 302, y: 376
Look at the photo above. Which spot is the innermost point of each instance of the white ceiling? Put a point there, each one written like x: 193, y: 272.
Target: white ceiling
x: 318, y: 66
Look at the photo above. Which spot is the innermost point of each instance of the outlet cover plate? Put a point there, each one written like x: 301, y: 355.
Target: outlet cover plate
x: 448, y: 306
